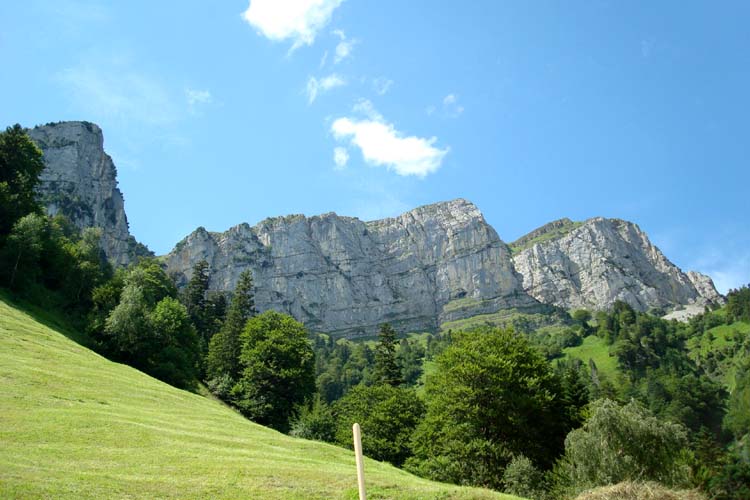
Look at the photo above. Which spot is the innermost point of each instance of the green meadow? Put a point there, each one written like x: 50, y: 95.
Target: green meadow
x: 75, y: 425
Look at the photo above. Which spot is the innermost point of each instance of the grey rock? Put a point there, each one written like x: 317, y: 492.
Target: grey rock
x: 80, y: 182
x: 343, y: 276
x: 596, y: 263
x: 705, y: 287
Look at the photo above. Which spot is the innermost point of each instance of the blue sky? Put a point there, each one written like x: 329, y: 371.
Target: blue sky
x: 218, y: 113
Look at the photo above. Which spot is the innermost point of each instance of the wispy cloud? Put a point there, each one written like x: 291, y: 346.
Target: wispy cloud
x: 115, y: 90
x: 340, y: 157
x: 381, y: 85
x: 316, y: 86
x: 196, y: 97
x: 383, y: 145
x: 296, y: 20
x: 344, y: 48
x: 451, y: 107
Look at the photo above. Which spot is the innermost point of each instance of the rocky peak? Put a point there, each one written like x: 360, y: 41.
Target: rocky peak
x: 80, y: 182
x: 343, y: 276
x: 604, y: 260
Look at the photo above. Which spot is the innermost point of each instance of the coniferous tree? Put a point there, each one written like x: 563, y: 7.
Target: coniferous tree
x: 224, y: 347
x: 387, y: 370
x: 194, y: 298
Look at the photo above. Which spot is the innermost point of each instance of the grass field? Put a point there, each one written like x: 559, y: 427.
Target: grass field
x: 594, y: 348
x: 74, y: 425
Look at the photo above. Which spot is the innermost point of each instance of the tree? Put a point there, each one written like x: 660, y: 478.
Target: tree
x: 623, y: 443
x: 277, y: 369
x: 387, y: 370
x: 492, y: 396
x: 388, y: 416
x: 194, y: 298
x: 24, y: 247
x: 149, y: 329
x: 314, y: 421
x: 224, y: 347
x: 176, y: 360
x: 20, y: 166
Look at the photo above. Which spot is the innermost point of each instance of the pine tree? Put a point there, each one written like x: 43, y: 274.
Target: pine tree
x: 387, y: 370
x: 194, y: 298
x: 224, y: 347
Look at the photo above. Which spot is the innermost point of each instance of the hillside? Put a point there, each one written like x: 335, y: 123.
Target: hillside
x: 75, y: 425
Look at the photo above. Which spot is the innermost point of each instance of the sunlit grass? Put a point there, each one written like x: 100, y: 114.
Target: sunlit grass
x: 74, y: 425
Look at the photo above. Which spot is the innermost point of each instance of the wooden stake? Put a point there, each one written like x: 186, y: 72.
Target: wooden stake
x: 360, y: 463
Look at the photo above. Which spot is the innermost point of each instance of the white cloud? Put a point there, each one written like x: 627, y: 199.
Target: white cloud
x: 381, y: 85
x: 382, y: 145
x: 114, y: 90
x: 344, y: 48
x: 340, y: 157
x: 298, y: 20
x: 451, y: 107
x: 316, y: 86
x: 323, y: 59
x: 195, y: 97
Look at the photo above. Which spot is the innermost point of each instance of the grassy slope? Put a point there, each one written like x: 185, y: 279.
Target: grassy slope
x: 74, y: 425
x: 717, y: 339
x: 594, y: 348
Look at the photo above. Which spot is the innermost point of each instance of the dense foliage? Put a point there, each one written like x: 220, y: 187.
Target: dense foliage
x: 493, y: 396
x: 277, y: 369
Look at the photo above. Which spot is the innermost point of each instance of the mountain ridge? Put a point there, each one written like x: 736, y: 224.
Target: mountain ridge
x: 430, y: 265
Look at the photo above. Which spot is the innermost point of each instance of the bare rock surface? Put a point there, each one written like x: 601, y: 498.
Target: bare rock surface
x: 80, y: 181
x: 344, y: 276
x: 602, y: 261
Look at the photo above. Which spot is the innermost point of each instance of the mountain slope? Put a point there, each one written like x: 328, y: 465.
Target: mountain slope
x: 595, y: 263
x: 74, y: 425
x: 80, y: 181
x: 340, y: 275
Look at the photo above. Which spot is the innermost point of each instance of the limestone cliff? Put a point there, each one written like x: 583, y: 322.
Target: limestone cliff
x: 80, y: 181
x: 593, y: 264
x: 344, y: 276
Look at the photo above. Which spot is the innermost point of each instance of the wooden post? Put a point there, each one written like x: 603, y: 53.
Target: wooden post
x: 360, y: 463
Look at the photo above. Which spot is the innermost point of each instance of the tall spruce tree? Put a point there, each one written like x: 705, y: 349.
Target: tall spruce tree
x: 387, y: 369
x: 194, y: 298
x: 224, y: 347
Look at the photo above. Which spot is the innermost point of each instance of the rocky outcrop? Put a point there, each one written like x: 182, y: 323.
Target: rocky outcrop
x: 343, y: 276
x: 603, y: 260
x: 80, y: 182
x: 705, y: 287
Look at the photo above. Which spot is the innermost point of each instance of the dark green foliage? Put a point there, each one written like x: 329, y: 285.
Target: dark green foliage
x: 410, y: 357
x: 340, y: 366
x: 314, y: 421
x: 387, y: 370
x: 277, y: 369
x: 224, y: 347
x: 148, y: 328
x: 623, y: 443
x: 738, y: 304
x: 194, y: 298
x: 737, y: 419
x: 20, y: 166
x: 521, y: 478
x: 493, y: 396
x: 23, y: 250
x: 388, y: 416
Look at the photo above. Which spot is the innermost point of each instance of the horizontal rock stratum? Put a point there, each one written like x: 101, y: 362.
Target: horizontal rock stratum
x: 344, y: 276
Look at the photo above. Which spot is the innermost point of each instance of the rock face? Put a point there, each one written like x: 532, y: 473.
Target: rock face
x: 80, y: 181
x: 344, y: 276
x: 600, y: 261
